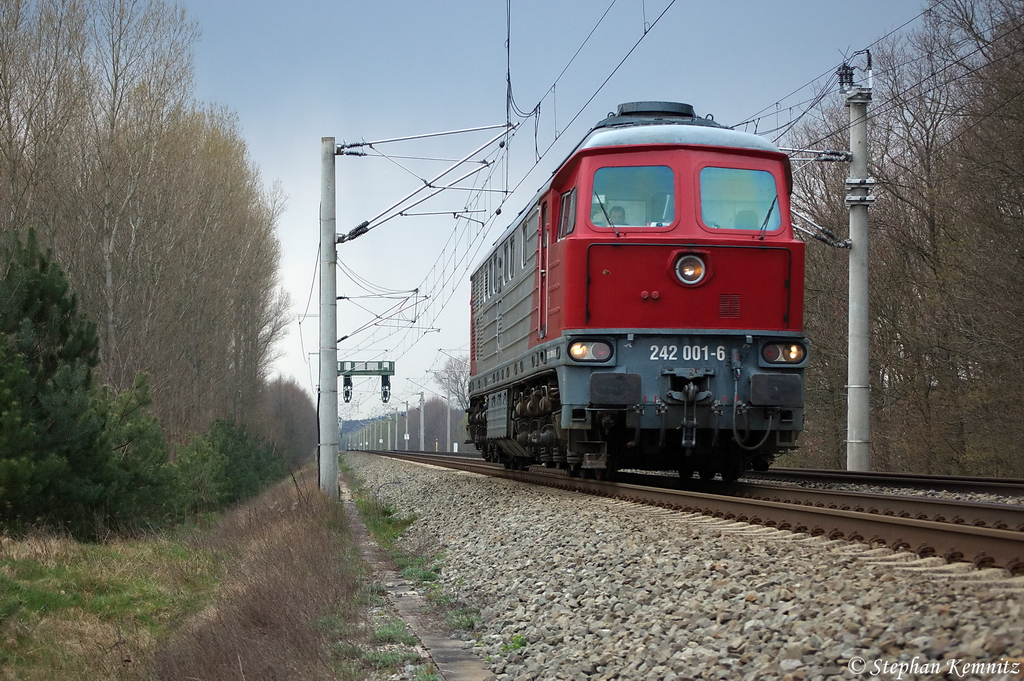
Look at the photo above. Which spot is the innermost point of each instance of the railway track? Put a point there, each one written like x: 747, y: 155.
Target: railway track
x: 987, y: 535
x: 948, y: 483
x: 1011, y: 487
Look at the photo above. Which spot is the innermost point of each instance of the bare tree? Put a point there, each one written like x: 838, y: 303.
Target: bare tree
x: 290, y: 421
x: 148, y: 200
x: 947, y: 286
x: 142, y: 74
x: 43, y: 87
x: 454, y: 381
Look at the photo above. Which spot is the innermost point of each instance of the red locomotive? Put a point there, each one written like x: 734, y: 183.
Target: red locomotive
x: 645, y: 311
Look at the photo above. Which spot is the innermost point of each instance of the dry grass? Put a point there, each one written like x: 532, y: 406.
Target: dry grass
x: 268, y: 591
x: 290, y: 588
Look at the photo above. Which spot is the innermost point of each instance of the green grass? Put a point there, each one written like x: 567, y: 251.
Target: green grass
x: 420, y: 569
x: 393, y: 631
x: 516, y: 643
x: 85, y: 608
x: 382, y: 521
x: 272, y: 589
x: 372, y: 594
x: 466, y: 618
x: 388, y: 659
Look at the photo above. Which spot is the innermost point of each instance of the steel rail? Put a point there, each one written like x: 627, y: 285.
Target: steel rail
x: 956, y: 511
x: 951, y: 483
x: 983, y: 546
x: 1013, y: 487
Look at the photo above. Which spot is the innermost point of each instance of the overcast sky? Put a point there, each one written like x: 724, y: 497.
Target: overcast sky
x: 297, y: 71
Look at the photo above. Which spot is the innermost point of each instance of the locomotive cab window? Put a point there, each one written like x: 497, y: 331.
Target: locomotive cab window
x: 510, y: 256
x: 633, y: 196
x: 735, y: 198
x: 567, y: 214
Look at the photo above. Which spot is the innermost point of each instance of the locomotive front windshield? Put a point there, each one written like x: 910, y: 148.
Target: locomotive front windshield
x: 734, y: 198
x: 633, y: 196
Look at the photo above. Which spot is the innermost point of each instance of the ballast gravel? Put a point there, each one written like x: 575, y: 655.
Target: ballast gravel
x: 577, y: 587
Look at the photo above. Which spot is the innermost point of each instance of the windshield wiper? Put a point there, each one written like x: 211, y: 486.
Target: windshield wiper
x: 601, y: 203
x: 767, y: 217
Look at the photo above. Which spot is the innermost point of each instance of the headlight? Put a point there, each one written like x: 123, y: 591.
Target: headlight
x: 784, y: 353
x: 590, y: 351
x: 690, y: 269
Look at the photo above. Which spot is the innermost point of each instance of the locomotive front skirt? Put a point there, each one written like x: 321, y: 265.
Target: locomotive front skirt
x: 645, y: 311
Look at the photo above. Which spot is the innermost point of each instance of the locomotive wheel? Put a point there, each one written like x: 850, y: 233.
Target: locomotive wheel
x: 607, y: 473
x: 733, y: 466
x: 732, y: 472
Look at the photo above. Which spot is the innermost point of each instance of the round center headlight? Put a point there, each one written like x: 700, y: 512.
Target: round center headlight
x: 690, y: 269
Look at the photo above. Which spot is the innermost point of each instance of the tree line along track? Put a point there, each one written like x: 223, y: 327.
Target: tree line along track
x: 987, y: 535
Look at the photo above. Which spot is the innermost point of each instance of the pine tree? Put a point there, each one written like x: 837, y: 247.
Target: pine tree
x: 53, y: 467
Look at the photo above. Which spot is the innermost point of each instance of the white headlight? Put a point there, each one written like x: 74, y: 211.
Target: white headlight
x: 590, y: 351
x: 784, y: 353
x: 690, y: 269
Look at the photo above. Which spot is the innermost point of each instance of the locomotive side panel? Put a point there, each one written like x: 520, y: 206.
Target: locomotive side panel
x: 503, y: 289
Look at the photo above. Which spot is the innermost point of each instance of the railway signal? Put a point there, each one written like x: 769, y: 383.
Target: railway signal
x: 384, y: 369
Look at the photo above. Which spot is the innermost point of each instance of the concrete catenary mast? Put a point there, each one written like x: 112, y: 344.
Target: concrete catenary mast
x: 858, y: 200
x: 328, y: 399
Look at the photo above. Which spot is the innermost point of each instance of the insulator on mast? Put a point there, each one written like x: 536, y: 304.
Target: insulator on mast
x: 845, y: 73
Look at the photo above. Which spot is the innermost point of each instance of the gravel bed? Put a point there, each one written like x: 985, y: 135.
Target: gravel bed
x: 577, y: 587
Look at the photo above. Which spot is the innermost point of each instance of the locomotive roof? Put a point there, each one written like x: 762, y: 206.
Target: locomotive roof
x: 666, y: 123
x: 662, y: 132
x: 640, y: 123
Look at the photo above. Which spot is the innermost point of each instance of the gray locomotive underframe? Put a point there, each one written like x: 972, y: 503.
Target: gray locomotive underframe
x: 658, y: 393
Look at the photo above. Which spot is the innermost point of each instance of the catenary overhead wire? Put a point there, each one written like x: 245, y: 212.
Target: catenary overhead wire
x: 451, y: 277
x: 922, y: 89
x: 885, y: 107
x: 513, y: 107
x: 959, y: 61
x: 753, y: 118
x: 475, y: 242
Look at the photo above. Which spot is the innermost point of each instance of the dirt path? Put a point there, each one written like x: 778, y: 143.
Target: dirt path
x: 452, y: 660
